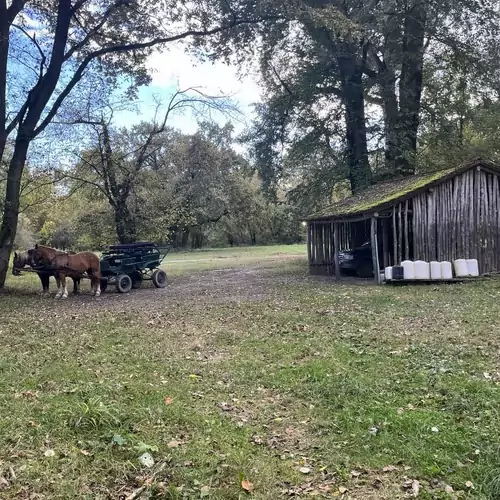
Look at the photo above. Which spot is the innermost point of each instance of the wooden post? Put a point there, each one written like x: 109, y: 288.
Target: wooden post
x: 309, y: 243
x: 385, y: 243
x: 394, y: 238
x: 336, y: 250
x: 376, y: 265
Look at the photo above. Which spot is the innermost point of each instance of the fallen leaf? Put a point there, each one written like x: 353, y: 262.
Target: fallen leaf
x: 204, y: 491
x: 305, y: 470
x: 4, y: 484
x: 168, y: 400
x: 85, y: 452
x: 147, y: 460
x: 50, y: 453
x: 173, y: 444
x: 355, y: 473
x: 469, y: 485
x: 342, y: 490
x: 434, y: 429
x: 247, y: 485
x: 448, y: 489
x: 389, y: 468
x: 415, y: 487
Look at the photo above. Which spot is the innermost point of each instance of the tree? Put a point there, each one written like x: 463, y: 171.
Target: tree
x: 332, y: 55
x: 67, y: 41
x: 116, y: 164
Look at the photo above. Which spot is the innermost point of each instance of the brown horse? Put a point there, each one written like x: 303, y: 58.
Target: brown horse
x: 65, y: 264
x: 23, y: 259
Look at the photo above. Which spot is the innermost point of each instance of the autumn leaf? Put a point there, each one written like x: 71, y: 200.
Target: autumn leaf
x: 305, y: 470
x: 247, y: 485
x: 168, y: 400
x: 173, y: 444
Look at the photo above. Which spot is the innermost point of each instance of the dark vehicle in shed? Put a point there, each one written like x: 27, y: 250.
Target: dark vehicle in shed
x: 358, y: 261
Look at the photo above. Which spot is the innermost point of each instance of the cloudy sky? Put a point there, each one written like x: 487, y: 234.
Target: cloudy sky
x: 173, y: 68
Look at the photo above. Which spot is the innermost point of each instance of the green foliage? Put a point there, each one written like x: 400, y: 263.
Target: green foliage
x: 191, y: 191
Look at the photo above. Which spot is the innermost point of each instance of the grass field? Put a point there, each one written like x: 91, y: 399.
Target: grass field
x: 247, y: 378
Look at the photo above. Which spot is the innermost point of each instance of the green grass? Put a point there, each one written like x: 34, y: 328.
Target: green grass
x: 344, y: 380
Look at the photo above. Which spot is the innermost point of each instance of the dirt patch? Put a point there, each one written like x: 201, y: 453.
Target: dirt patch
x: 213, y: 286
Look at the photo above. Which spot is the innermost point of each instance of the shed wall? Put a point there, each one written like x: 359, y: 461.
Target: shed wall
x: 459, y: 218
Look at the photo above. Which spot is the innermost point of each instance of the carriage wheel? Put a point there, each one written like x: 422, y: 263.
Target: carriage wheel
x: 136, y: 279
x: 159, y: 278
x: 123, y: 283
x: 104, y: 285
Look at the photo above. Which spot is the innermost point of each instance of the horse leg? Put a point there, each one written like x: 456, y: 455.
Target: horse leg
x: 76, y: 284
x: 44, y: 278
x: 59, y: 288
x: 64, y: 288
x: 96, y: 275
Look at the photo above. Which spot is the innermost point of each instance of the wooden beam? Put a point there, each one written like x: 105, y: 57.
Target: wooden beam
x: 385, y: 243
x: 376, y: 265
x: 336, y: 249
x: 309, y: 242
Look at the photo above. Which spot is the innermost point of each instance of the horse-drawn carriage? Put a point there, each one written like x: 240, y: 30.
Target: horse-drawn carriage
x: 125, y: 266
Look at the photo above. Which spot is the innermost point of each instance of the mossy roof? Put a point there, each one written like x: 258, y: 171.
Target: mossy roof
x: 385, y: 194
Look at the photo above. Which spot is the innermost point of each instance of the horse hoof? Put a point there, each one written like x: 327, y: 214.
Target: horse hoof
x: 57, y: 296
x: 64, y: 297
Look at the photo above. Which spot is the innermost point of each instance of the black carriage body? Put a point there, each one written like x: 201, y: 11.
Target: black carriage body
x: 127, y: 265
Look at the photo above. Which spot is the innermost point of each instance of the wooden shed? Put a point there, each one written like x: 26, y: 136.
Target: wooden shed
x: 445, y: 215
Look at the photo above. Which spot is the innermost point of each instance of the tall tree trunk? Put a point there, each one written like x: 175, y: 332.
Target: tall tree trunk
x: 360, y: 175
x: 125, y: 225
x: 387, y: 82
x: 8, y: 228
x: 4, y: 52
x: 410, y: 85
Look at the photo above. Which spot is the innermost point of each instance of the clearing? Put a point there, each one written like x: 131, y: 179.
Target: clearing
x: 247, y: 377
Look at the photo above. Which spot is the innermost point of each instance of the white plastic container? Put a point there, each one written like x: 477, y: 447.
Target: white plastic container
x: 408, y: 270
x: 422, y: 270
x: 435, y: 270
x: 460, y: 267
x: 388, y: 273
x: 473, y: 267
x: 446, y: 270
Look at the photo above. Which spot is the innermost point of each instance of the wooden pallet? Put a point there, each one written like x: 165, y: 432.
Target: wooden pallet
x: 433, y: 282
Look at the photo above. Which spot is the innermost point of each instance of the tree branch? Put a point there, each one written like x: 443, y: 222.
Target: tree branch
x: 130, y: 47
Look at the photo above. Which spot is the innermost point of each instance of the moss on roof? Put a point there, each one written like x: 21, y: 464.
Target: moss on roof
x: 385, y: 193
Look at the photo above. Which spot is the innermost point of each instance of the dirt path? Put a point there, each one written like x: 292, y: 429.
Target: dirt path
x: 227, y: 285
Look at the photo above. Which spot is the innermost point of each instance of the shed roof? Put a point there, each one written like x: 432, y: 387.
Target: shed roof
x: 385, y: 194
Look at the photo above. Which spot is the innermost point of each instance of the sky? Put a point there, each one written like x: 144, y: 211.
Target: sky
x: 174, y: 68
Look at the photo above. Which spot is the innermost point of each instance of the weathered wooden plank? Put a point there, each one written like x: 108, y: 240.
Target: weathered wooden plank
x: 416, y: 227
x: 483, y: 222
x: 431, y: 226
x: 495, y: 222
x: 400, y: 235
x: 439, y: 203
x: 336, y: 249
x: 407, y: 232
x: 470, y: 215
x: 374, y: 242
x: 385, y: 243
x: 394, y: 238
